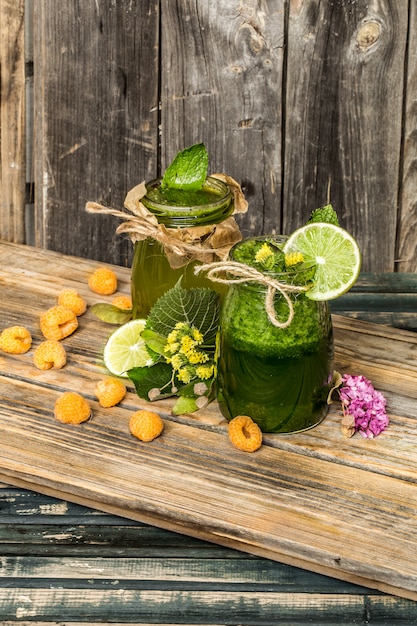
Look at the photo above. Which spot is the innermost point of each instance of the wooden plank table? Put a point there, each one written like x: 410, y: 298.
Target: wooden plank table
x: 72, y: 565
x: 316, y: 500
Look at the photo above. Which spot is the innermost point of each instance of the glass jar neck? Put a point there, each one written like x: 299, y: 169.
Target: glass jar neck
x: 177, y: 208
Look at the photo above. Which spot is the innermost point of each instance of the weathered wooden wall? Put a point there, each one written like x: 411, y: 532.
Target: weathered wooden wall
x: 300, y: 100
x: 12, y: 121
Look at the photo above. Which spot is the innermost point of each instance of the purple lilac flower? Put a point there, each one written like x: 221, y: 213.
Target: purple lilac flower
x: 365, y: 404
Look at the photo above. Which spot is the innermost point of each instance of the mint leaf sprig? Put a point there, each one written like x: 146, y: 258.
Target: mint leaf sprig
x: 188, y: 170
x: 324, y: 214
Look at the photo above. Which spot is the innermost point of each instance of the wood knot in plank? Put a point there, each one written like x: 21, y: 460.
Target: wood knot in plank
x: 368, y: 34
x: 257, y: 41
x: 245, y: 123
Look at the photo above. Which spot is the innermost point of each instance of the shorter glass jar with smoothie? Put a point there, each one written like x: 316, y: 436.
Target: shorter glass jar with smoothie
x: 187, y: 219
x: 277, y: 375
x: 154, y: 270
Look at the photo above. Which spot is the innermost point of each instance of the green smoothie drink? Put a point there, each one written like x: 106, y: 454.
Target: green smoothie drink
x: 278, y: 376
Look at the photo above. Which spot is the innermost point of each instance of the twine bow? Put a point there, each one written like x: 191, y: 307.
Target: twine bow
x: 245, y: 273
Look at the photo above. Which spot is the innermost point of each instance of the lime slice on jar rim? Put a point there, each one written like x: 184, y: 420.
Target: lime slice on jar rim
x: 126, y: 349
x: 333, y: 251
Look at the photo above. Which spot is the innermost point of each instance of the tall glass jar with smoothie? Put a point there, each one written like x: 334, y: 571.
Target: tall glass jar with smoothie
x: 194, y: 223
x: 275, y: 360
x: 277, y: 375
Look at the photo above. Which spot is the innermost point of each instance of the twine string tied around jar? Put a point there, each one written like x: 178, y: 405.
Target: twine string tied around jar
x: 204, y: 243
x: 243, y: 273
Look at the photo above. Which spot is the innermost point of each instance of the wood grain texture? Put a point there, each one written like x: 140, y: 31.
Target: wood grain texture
x: 221, y: 77
x: 344, y: 88
x: 96, y: 90
x: 407, y: 226
x: 300, y: 101
x: 47, y: 544
x: 12, y: 121
x: 303, y: 499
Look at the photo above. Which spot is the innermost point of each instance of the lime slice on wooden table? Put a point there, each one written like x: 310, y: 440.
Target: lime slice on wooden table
x: 125, y: 349
x: 334, y: 252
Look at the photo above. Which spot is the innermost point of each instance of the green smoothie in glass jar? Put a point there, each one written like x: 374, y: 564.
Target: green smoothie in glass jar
x: 152, y: 274
x: 190, y: 208
x: 277, y: 376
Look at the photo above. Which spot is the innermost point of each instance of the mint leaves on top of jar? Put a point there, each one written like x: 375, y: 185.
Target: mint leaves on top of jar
x: 188, y: 170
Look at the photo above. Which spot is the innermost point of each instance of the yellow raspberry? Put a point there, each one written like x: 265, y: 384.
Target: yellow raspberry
x: 110, y: 391
x: 245, y: 434
x: 15, y: 340
x: 103, y: 281
x: 72, y: 408
x: 146, y: 425
x: 58, y: 323
x: 71, y: 299
x: 50, y: 354
x: 122, y: 302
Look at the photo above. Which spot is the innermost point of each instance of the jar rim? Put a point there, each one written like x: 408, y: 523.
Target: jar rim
x: 194, y: 214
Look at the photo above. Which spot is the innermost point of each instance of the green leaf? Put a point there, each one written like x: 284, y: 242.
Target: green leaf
x: 188, y: 390
x: 324, y: 214
x: 189, y: 403
x: 111, y: 314
x: 185, y: 405
x: 154, y: 341
x: 198, y: 307
x: 157, y: 376
x: 188, y: 170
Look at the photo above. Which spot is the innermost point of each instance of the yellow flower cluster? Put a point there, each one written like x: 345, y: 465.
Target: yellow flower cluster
x: 264, y: 254
x: 183, y: 353
x: 292, y: 258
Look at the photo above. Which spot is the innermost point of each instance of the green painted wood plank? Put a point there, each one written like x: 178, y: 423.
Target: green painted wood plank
x: 395, y: 302
x: 202, y: 607
x: 405, y: 321
x: 29, y: 606
x: 73, y: 539
x: 165, y: 572
x: 395, y: 282
x: 389, y: 298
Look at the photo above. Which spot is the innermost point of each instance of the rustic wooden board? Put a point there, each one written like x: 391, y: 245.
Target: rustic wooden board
x: 12, y: 121
x: 96, y: 92
x: 343, y: 87
x: 289, y: 97
x: 407, y: 223
x: 222, y: 71
x: 168, y: 578
x: 342, y: 507
x: 60, y: 559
